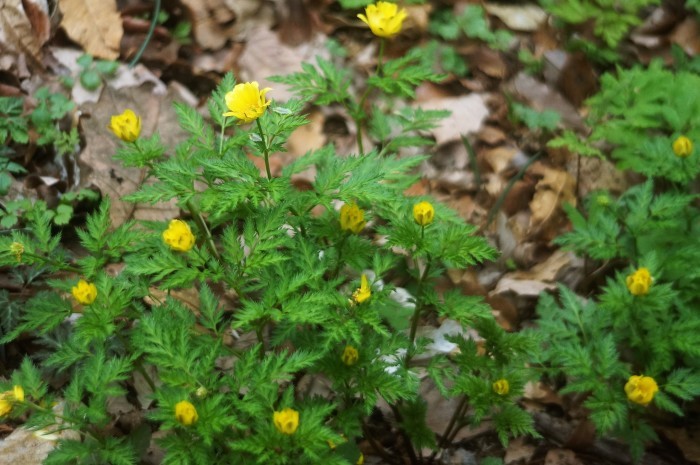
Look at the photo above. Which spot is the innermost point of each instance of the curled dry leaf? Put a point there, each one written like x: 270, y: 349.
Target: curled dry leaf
x: 97, y: 26
x: 24, y: 26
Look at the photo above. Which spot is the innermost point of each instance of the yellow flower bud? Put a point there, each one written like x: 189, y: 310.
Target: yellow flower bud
x: 639, y: 282
x: 501, y: 387
x: 352, y: 218
x: 84, y: 292
x: 18, y: 393
x: 17, y: 249
x: 126, y: 126
x: 682, y: 146
x: 384, y: 19
x: 641, y: 389
x: 423, y: 213
x: 246, y: 102
x: 286, y: 421
x: 185, y: 413
x: 364, y: 292
x: 179, y: 236
x: 350, y: 355
x: 361, y: 459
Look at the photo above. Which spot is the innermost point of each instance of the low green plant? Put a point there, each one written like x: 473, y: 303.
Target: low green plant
x: 611, y: 19
x: 293, y: 294
x: 634, y: 348
x: 94, y: 72
x: 638, y: 115
x: 473, y: 23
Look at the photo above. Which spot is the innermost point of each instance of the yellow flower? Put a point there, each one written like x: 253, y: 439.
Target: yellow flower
x: 362, y: 293
x: 350, y: 355
x: 17, y: 249
x: 7, y: 399
x: 5, y: 407
x: 641, y: 389
x: 246, y: 102
x: 639, y: 282
x: 423, y: 213
x: 286, y: 421
x: 384, y: 19
x: 18, y: 393
x: 361, y: 459
x: 352, y: 218
x: 126, y: 126
x: 179, y: 236
x: 501, y: 387
x: 185, y: 413
x: 84, y: 292
x: 682, y: 146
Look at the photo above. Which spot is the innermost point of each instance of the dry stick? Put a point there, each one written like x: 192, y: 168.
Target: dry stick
x: 149, y: 34
x: 378, y: 448
x: 497, y: 206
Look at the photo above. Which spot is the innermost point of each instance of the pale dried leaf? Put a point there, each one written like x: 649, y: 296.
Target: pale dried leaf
x: 278, y: 59
x: 518, y: 17
x: 17, y: 33
x: 97, y: 26
x: 468, y: 115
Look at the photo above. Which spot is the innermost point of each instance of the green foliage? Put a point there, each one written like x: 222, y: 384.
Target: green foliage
x: 612, y: 19
x: 598, y: 344
x: 639, y: 113
x: 473, y: 23
x: 276, y: 281
x: 94, y: 72
x: 533, y: 119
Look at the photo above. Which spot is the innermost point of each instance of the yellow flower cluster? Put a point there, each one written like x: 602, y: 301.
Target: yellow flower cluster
x: 126, y: 126
x: 639, y: 282
x: 186, y: 413
x: 501, y: 387
x: 384, y: 19
x: 641, y: 389
x: 9, y: 398
x: 286, y: 421
x: 178, y: 236
x: 364, y: 292
x: 352, y: 218
x: 423, y: 213
x: 350, y: 356
x: 682, y: 146
x: 246, y: 102
x: 84, y: 292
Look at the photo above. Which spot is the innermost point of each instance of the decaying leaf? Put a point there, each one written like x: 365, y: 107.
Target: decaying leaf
x: 97, y: 26
x: 527, y: 17
x: 24, y: 26
x: 468, y: 115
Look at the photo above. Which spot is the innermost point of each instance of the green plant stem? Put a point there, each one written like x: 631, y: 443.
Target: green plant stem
x: 501, y: 198
x: 221, y: 143
x: 413, y: 458
x: 472, y: 160
x: 341, y: 244
x: 149, y: 34
x: 419, y: 306
x: 48, y: 261
x: 266, y: 149
x: 359, y: 118
x: 444, y: 439
x: 202, y: 226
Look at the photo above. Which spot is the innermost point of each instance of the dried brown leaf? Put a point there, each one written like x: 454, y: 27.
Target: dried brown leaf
x: 23, y: 29
x: 97, y: 26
